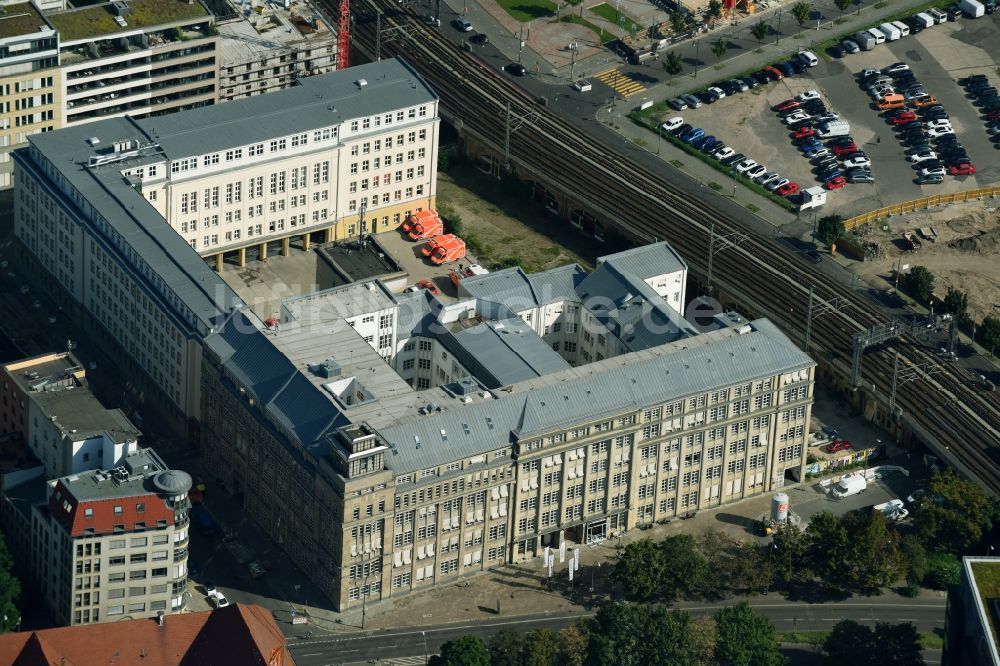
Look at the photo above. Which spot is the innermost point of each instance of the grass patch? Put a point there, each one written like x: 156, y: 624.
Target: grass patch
x: 602, y: 34
x: 927, y: 641
x: 840, y: 20
x: 715, y: 186
x: 98, y: 21
x: 753, y: 209
x: 882, y: 4
x: 718, y: 67
x: 615, y: 17
x: 677, y: 163
x: 528, y: 10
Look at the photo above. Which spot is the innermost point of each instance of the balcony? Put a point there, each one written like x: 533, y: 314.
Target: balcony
x: 180, y: 555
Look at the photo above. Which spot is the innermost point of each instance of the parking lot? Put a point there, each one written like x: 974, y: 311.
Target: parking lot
x: 938, y: 57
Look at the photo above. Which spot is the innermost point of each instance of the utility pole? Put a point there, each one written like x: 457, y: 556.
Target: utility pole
x: 378, y: 35
x: 520, y: 48
x: 697, y: 58
x: 729, y: 240
x: 809, y: 318
x: 823, y: 307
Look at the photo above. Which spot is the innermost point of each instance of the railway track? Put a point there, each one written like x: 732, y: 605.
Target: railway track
x: 962, y: 423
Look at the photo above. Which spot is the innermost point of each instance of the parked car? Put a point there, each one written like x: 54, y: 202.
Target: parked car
x: 859, y: 177
x: 803, y: 133
x: 583, y: 85
x: 515, y: 69
x: 964, y: 169
x: 930, y: 180
x: 462, y: 24
x: 756, y: 172
x: 774, y: 185
x: 835, y: 183
x: 787, y: 105
x: 857, y: 162
x: 683, y: 129
x: 788, y: 189
x: 429, y: 286
x: 732, y: 159
x: 724, y: 153
x: 481, y: 39
x: 850, y: 46
x: 677, y: 104
x: 719, y: 93
x: 692, y: 101
x: 745, y: 165
x: 850, y: 485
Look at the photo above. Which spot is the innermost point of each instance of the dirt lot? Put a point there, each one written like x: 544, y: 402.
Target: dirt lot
x: 504, y: 228
x: 964, y: 256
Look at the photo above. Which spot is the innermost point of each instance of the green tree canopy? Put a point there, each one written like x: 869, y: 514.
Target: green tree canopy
x: 873, y: 553
x: 801, y: 12
x: 678, y: 22
x: 957, y: 303
x: 790, y: 559
x: 830, y: 229
x: 10, y: 591
x: 760, y: 30
x: 953, y: 514
x: 746, y: 638
x: 640, y: 568
x: 672, y: 64
x: 640, y: 635
x: 720, y: 47
x: 714, y: 8
x: 888, y: 644
x: 828, y: 547
x: 842, y: 5
x: 464, y: 651
x: 849, y: 643
x: 897, y: 645
x: 573, y: 644
x: 989, y: 333
x: 541, y: 648
x: 920, y: 283
x: 684, y: 567
x: 506, y: 648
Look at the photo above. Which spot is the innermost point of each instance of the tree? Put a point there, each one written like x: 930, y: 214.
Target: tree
x: 790, y: 560
x: 897, y: 645
x: 856, y: 644
x: 678, y: 22
x: 849, y: 643
x: 830, y: 229
x: 920, y: 283
x: 573, y: 643
x: 873, y: 558
x: 989, y: 333
x: 10, y: 591
x: 720, y: 48
x: 703, y: 635
x: 943, y: 571
x: 672, y: 64
x: 751, y: 569
x: 801, y: 12
x: 828, y: 548
x: 842, y: 5
x: 957, y: 303
x: 506, y: 648
x: 746, y: 638
x: 718, y: 550
x: 541, y: 648
x: 464, y: 651
x: 914, y: 558
x: 639, y: 635
x: 714, y: 9
x: 760, y: 30
x: 640, y: 568
x: 953, y: 514
x: 684, y: 567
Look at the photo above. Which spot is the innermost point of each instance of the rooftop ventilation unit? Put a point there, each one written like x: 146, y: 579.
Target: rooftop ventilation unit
x: 327, y: 369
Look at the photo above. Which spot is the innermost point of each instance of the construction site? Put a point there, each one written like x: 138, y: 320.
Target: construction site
x: 959, y: 244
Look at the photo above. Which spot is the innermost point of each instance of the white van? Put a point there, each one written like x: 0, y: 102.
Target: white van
x: 927, y: 20
x: 938, y: 15
x: 850, y: 485
x: 904, y: 30
x: 810, y: 58
x: 890, y: 31
x: 877, y: 34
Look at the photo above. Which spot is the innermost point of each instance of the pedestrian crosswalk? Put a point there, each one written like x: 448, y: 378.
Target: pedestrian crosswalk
x: 620, y: 82
x: 419, y: 660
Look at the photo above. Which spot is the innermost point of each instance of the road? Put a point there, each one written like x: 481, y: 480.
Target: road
x: 927, y: 615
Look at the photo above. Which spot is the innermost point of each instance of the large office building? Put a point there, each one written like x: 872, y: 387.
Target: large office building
x: 136, y: 57
x: 972, y: 615
x: 105, y: 545
x: 30, y: 80
x: 118, y: 211
x: 268, y: 47
x: 392, y: 442
x: 47, y: 402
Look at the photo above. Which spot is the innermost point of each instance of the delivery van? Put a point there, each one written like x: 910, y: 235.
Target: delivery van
x: 877, y: 34
x: 850, y: 485
x: 904, y: 30
x: 893, y: 101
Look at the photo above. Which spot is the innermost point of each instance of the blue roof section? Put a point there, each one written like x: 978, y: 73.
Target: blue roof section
x: 596, y: 391
x: 302, y: 407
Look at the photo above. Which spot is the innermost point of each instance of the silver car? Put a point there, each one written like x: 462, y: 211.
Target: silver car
x: 692, y: 101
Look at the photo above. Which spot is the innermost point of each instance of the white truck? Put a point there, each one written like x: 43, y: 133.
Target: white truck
x: 834, y: 128
x: 812, y: 197
x: 890, y: 31
x: 850, y: 485
x: 893, y: 510
x: 972, y: 8
x: 865, y: 40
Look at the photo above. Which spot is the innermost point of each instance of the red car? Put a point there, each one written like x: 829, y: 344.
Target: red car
x: 838, y: 445
x: 904, y: 118
x: 788, y: 190
x: 835, y: 183
x: 845, y: 149
x: 773, y: 72
x: 787, y: 105
x: 962, y: 170
x: 429, y: 286
x: 803, y: 133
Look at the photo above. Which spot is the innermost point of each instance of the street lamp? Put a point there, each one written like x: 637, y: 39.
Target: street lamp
x: 426, y: 651
x: 364, y: 599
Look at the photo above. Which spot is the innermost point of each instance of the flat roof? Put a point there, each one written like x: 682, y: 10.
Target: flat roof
x: 99, y: 20
x: 21, y: 19
x: 984, y: 573
x: 80, y: 415
x: 251, y: 37
x: 96, y: 484
x: 505, y: 352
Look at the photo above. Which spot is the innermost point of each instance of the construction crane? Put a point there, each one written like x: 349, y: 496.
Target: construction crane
x: 343, y: 34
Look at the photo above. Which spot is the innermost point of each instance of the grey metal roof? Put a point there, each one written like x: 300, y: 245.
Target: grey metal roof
x: 318, y: 101
x: 646, y: 261
x: 557, y: 284
x: 133, y: 218
x: 519, y: 291
x: 598, y: 390
x: 504, y: 352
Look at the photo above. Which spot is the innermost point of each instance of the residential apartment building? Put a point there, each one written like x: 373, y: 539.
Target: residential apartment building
x: 970, y: 617
x: 47, y: 402
x: 137, y: 57
x: 30, y: 92
x: 113, y: 209
x: 106, y: 545
x: 237, y: 634
x: 269, y: 47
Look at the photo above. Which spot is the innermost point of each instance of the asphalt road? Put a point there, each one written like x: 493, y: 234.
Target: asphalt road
x: 786, y: 616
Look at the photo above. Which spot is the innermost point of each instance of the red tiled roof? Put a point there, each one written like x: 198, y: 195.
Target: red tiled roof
x: 72, y: 514
x: 237, y: 634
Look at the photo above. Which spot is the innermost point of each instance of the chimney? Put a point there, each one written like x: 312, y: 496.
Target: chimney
x: 160, y: 618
